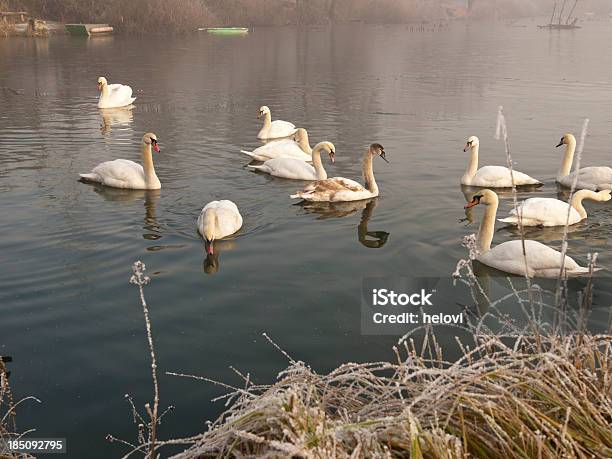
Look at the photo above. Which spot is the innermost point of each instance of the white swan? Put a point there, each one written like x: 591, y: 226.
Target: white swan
x: 114, y: 95
x: 123, y: 173
x: 341, y: 189
x: 553, y: 212
x: 491, y: 176
x: 217, y: 220
x: 542, y: 261
x: 590, y: 178
x: 285, y: 148
x: 273, y: 129
x: 292, y: 168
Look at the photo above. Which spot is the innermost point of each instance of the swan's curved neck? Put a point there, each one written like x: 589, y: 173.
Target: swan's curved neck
x: 151, y: 179
x: 105, y: 91
x: 487, y: 228
x: 267, y: 121
x: 576, y: 202
x: 472, y: 168
x: 368, y: 173
x: 304, y: 143
x: 566, y: 165
x: 318, y: 165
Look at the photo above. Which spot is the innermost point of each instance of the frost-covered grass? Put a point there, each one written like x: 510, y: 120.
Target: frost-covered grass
x: 548, y: 397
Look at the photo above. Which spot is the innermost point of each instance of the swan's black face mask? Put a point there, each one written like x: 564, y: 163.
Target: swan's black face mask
x: 468, y: 146
x: 474, y: 202
x: 379, y: 150
x: 155, y: 146
x: 561, y: 142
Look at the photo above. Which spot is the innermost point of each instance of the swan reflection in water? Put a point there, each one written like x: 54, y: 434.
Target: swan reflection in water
x: 150, y: 197
x: 210, y: 265
x: 115, y: 117
x: 327, y: 210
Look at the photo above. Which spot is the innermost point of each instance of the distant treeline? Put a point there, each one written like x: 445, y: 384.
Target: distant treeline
x: 163, y: 16
x: 177, y: 16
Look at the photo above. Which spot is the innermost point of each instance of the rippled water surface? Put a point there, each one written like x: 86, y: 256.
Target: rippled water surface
x: 73, y: 323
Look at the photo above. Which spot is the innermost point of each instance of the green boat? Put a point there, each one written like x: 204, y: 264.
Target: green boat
x: 226, y: 30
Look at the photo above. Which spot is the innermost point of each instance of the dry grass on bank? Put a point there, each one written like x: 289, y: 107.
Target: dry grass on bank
x: 7, y: 411
x: 180, y: 16
x: 544, y: 398
x: 133, y: 16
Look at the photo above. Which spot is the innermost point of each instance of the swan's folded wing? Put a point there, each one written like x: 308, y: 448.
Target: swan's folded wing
x: 596, y: 175
x: 122, y: 170
x: 347, y: 184
x: 542, y: 209
x: 120, y: 91
x: 539, y: 256
x: 291, y: 168
x: 499, y: 176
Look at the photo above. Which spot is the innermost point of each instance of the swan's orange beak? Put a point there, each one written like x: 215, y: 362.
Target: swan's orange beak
x: 155, y: 146
x: 209, y: 247
x: 331, y: 157
x: 472, y: 203
x: 467, y: 147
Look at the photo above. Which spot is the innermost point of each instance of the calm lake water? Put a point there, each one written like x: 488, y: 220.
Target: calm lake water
x: 68, y: 315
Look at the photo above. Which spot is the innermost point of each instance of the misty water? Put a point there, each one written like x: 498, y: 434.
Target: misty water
x: 68, y: 315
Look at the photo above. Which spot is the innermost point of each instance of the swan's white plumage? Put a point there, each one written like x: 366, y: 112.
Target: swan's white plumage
x: 124, y: 173
x: 594, y: 178
x: 289, y: 168
x: 542, y: 261
x: 225, y: 219
x: 277, y: 129
x: 114, y: 95
x: 285, y: 148
x: 274, y: 129
x: 491, y: 176
x: 499, y: 177
x: 542, y: 212
x: 119, y: 173
x: 553, y: 212
x: 292, y: 168
x: 539, y: 261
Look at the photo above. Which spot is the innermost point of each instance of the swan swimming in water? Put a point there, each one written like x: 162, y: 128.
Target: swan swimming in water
x: 114, y: 95
x: 491, y: 176
x: 273, y: 129
x: 553, y: 212
x: 292, y: 168
x: 217, y: 220
x: 124, y: 173
x: 591, y: 178
x: 338, y: 189
x: 285, y: 148
x: 541, y: 260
